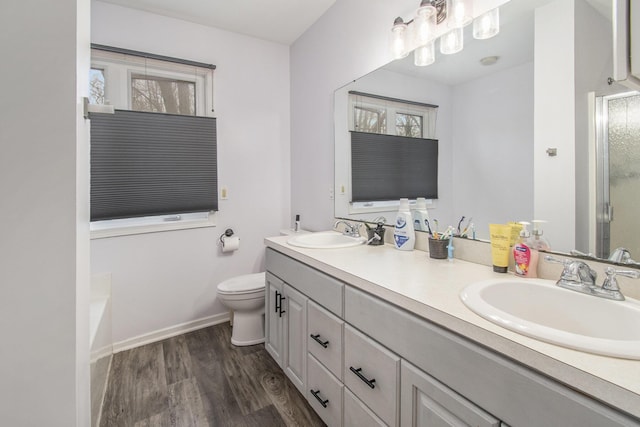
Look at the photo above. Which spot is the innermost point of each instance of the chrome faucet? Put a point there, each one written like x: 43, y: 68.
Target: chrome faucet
x: 349, y: 229
x: 579, y: 277
x: 576, y: 275
x: 621, y: 256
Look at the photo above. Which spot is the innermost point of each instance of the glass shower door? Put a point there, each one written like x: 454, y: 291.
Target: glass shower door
x: 619, y: 157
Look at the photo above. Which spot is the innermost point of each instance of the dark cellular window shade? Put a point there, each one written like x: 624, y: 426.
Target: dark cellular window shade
x: 145, y: 164
x: 388, y: 167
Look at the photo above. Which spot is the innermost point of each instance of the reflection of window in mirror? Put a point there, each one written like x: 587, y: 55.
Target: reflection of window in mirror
x: 370, y: 119
x: 370, y: 113
x: 409, y: 125
x: 393, y: 153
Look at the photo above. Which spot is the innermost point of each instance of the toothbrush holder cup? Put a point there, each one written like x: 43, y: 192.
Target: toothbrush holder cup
x: 438, y: 248
x: 371, y: 232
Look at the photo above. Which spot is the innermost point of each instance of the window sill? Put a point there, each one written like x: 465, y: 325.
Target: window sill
x: 385, y: 207
x: 153, y: 228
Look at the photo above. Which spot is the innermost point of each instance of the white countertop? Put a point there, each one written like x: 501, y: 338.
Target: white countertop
x: 430, y: 289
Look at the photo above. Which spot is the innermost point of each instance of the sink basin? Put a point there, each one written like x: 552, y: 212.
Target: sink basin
x: 325, y: 240
x: 541, y: 310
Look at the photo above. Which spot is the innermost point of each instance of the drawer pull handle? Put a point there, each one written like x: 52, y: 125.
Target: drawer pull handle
x: 316, y: 394
x: 367, y: 381
x: 317, y: 339
x: 277, y: 301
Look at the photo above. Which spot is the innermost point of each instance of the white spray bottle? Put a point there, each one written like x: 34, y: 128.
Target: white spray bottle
x: 404, y: 236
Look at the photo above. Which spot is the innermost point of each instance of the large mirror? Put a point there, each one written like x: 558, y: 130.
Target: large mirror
x: 517, y: 130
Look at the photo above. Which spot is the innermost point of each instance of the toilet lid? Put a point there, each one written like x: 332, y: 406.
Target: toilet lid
x: 244, y: 283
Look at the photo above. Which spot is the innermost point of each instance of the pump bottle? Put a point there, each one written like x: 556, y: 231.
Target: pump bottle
x: 404, y: 236
x: 525, y: 255
x: 421, y: 215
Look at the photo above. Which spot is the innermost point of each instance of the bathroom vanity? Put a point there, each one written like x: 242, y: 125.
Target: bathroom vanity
x: 370, y: 343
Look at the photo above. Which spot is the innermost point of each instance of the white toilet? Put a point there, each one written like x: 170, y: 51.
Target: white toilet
x: 244, y: 296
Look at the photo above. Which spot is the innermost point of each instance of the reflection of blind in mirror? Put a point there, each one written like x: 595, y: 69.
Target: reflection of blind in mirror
x: 391, y: 116
x: 387, y: 167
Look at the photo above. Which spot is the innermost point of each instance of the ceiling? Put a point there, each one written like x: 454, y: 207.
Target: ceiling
x: 280, y: 21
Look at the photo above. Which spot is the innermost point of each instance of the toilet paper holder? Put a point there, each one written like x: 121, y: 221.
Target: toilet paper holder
x: 228, y: 242
x: 227, y: 233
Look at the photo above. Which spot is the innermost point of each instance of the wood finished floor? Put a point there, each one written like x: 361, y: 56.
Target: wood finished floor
x: 200, y: 379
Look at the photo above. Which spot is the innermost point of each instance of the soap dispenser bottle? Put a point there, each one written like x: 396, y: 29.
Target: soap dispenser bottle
x: 421, y: 215
x: 404, y: 236
x: 539, y: 242
x: 525, y: 255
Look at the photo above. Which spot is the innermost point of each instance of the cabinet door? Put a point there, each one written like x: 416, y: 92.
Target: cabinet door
x: 295, y: 323
x: 426, y: 402
x: 274, y: 331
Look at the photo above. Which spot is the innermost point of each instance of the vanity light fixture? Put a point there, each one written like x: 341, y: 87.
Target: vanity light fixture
x: 419, y: 34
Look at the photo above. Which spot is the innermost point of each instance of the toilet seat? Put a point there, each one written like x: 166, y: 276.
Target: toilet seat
x: 245, y: 284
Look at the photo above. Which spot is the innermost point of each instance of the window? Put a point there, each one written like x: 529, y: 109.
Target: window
x: 155, y: 160
x: 389, y: 162
x: 163, y: 95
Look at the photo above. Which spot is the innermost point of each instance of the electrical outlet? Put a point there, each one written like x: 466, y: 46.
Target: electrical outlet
x: 224, y: 193
x: 331, y: 194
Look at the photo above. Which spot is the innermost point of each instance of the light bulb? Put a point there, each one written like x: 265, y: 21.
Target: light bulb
x: 425, y: 55
x: 452, y: 42
x: 487, y: 25
x: 399, y: 39
x: 424, y: 24
x: 460, y: 13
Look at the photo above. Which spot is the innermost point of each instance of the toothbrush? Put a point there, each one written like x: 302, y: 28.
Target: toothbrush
x: 435, y: 233
x: 447, y: 233
x: 464, y: 232
x: 460, y: 223
x: 426, y: 221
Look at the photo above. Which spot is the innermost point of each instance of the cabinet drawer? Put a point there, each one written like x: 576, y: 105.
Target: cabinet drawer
x: 318, y: 286
x: 324, y: 338
x: 372, y: 373
x: 428, y: 402
x: 324, y: 392
x: 356, y: 413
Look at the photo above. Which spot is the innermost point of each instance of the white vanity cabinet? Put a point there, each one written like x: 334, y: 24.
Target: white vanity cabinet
x: 286, y: 329
x: 371, y: 363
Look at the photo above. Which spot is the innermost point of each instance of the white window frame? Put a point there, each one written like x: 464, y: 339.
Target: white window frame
x: 117, y: 87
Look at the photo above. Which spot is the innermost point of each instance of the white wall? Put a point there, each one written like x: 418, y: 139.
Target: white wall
x: 164, y: 280
x: 44, y: 364
x: 554, y: 118
x: 493, y: 151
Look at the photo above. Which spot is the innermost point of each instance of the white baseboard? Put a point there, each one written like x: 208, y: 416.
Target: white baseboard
x: 169, y: 332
